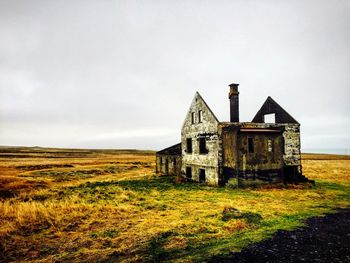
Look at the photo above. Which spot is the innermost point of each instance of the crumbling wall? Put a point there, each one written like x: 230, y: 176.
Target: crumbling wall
x: 227, y: 144
x: 291, y: 135
x: 270, y: 106
x: 208, y: 129
x: 285, y: 160
x: 168, y: 164
x: 260, y: 159
x: 228, y: 137
x: 291, y: 140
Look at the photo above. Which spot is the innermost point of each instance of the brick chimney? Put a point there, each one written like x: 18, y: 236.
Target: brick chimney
x: 234, y: 102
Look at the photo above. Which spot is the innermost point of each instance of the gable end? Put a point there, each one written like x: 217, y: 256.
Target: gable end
x: 272, y: 107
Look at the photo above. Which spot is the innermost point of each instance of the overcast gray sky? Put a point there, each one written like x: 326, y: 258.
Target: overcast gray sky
x: 122, y: 74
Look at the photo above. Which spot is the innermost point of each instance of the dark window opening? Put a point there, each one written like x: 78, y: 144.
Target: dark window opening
x: 201, y: 175
x: 166, y: 166
x: 161, y: 160
x: 193, y: 118
x: 200, y: 116
x: 174, y: 162
x: 250, y: 145
x: 202, y: 146
x: 189, y: 145
x: 283, y: 146
x: 188, y: 172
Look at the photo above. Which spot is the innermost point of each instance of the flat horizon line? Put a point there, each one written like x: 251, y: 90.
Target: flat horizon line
x: 331, y: 151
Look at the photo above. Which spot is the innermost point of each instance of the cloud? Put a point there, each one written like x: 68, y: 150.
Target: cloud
x: 87, y: 73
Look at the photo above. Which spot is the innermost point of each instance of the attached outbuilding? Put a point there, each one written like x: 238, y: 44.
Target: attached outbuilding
x: 168, y: 161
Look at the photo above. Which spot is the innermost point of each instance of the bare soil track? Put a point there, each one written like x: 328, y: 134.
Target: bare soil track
x: 324, y: 239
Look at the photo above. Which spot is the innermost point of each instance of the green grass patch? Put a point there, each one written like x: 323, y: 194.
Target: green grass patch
x: 233, y: 213
x: 78, y: 174
x: 191, y: 221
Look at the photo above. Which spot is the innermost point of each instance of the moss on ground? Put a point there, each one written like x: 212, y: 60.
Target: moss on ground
x: 109, y: 207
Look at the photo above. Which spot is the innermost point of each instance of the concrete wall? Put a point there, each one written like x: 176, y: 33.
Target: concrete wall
x: 228, y: 135
x: 236, y: 160
x: 261, y: 158
x: 168, y: 164
x: 207, y: 129
x: 227, y: 149
x: 291, y: 135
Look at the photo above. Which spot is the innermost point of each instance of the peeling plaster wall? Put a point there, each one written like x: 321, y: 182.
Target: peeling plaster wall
x: 174, y: 164
x: 282, y: 163
x: 207, y: 129
x: 261, y: 159
x: 291, y: 137
x: 226, y: 147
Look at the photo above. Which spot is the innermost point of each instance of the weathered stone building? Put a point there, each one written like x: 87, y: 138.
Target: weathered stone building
x: 169, y: 160
x: 216, y: 152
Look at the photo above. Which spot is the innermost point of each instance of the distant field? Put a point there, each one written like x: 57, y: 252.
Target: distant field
x: 69, y: 205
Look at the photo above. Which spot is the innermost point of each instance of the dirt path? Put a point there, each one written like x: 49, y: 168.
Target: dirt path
x: 324, y: 239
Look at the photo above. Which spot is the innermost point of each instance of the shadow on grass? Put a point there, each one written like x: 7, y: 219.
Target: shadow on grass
x: 344, y: 191
x: 156, y: 250
x: 147, y: 184
x: 332, y: 186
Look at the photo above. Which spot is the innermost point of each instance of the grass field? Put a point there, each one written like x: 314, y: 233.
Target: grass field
x: 69, y: 205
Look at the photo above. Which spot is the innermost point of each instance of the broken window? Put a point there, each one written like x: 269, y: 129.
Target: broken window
x: 174, y: 162
x: 270, y: 118
x: 202, y: 146
x: 250, y: 145
x: 193, y: 118
x: 200, y: 116
x: 188, y: 172
x: 269, y: 145
x: 189, y: 145
x: 161, y: 160
x: 202, y: 175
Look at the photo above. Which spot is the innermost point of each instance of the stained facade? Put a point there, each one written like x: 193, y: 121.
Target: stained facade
x: 213, y: 152
x: 168, y: 161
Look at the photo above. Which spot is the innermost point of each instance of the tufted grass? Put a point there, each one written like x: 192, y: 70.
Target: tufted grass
x: 124, y: 212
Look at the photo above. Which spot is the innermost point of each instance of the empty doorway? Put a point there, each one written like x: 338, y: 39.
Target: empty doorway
x: 201, y: 175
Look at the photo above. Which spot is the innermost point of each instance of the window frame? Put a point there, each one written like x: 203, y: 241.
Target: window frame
x: 270, y: 145
x: 193, y: 118
x: 200, y: 116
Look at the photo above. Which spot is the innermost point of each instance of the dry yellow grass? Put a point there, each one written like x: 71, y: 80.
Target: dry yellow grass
x: 108, y: 205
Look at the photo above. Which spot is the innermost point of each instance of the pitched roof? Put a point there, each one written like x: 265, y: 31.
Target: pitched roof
x: 270, y: 106
x: 172, y: 150
x: 199, y: 95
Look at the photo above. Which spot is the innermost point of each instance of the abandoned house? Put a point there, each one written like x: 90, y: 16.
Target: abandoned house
x: 265, y: 150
